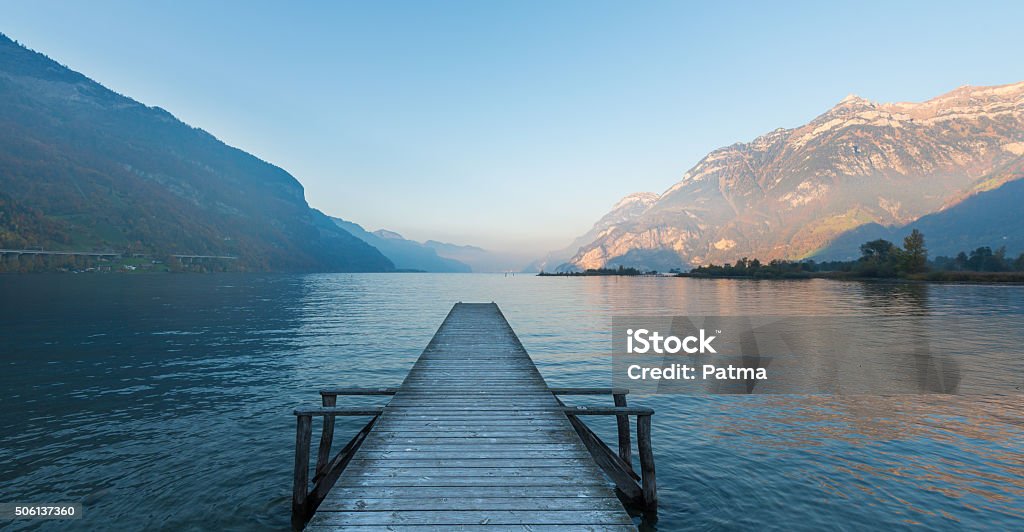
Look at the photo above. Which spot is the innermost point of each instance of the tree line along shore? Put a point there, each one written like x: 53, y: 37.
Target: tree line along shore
x: 880, y: 259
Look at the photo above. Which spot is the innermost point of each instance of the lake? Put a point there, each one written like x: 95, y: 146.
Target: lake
x: 164, y: 401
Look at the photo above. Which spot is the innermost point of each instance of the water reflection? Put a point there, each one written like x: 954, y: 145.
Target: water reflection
x: 164, y: 402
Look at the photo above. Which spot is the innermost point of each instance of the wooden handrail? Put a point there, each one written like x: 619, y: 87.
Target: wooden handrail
x: 589, y: 391
x: 339, y: 411
x: 329, y: 398
x: 304, y: 502
x: 621, y: 421
x: 619, y: 468
x: 608, y: 410
x: 638, y: 488
x: 359, y: 391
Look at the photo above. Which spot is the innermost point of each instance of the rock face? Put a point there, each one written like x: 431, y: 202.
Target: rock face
x: 82, y: 167
x: 790, y: 192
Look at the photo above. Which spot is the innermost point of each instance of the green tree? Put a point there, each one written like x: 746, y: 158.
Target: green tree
x: 877, y: 250
x: 914, y: 258
x: 961, y: 261
x: 879, y: 258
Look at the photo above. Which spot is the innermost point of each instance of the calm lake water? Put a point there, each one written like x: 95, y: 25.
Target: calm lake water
x: 164, y: 401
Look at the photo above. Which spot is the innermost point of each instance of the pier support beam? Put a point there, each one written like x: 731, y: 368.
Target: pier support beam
x: 643, y: 442
x: 622, y: 424
x: 323, y: 454
x: 303, y: 434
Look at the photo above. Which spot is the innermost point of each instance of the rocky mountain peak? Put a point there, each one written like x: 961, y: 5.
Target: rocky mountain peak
x: 852, y: 101
x: 851, y: 106
x: 964, y: 101
x: 384, y: 233
x: 790, y: 191
x: 636, y: 199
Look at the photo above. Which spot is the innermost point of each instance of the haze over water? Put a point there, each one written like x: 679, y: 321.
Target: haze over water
x: 164, y: 401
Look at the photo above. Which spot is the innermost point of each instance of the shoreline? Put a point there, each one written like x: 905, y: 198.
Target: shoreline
x: 930, y: 277
x: 1002, y: 278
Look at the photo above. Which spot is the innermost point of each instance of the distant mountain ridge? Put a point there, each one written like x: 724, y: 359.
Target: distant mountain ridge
x: 790, y: 192
x: 405, y: 254
x: 82, y: 167
x: 625, y: 210
x: 479, y: 259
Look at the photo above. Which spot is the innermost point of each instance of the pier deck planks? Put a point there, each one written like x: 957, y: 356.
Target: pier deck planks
x: 473, y: 439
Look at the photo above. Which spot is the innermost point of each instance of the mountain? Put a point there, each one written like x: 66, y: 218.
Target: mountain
x: 990, y: 217
x: 406, y: 254
x: 788, y: 193
x: 83, y: 168
x: 480, y: 259
x: 627, y: 209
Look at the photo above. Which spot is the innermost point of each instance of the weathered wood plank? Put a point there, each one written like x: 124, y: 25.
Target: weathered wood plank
x: 427, y: 438
x: 428, y: 424
x: 481, y: 446
x: 490, y: 517
x: 400, y: 492
x: 435, y: 463
x: 566, y: 480
x: 473, y: 528
x: 484, y: 409
x: 513, y: 414
x: 495, y: 431
x: 440, y: 453
x: 488, y: 431
x: 448, y: 405
x: 377, y: 470
x: 469, y: 504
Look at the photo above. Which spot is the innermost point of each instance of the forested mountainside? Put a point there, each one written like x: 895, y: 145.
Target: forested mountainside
x: 85, y: 168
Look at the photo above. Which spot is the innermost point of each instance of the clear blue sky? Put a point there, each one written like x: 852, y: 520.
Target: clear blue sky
x: 512, y: 125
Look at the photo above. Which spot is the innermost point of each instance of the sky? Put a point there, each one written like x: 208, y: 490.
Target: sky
x: 510, y: 125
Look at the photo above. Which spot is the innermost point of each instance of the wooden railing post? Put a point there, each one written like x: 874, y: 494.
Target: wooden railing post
x: 300, y: 486
x: 622, y: 421
x: 643, y: 442
x: 323, y: 454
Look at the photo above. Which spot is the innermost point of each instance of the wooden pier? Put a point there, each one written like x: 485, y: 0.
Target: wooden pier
x: 472, y: 439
